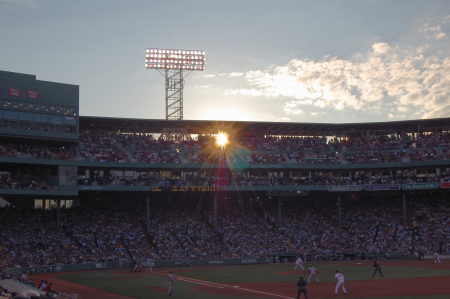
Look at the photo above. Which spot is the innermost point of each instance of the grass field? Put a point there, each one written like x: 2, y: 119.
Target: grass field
x: 402, y: 279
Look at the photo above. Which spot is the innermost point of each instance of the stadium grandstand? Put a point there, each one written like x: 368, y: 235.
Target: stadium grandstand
x: 84, y: 189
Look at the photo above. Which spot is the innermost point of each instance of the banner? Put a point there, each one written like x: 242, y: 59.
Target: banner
x: 14, y: 92
x: 343, y: 188
x: 420, y: 186
x: 33, y: 94
x: 382, y: 187
x: 445, y: 185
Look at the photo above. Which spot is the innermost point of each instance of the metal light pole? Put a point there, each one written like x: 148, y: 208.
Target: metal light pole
x: 173, y: 64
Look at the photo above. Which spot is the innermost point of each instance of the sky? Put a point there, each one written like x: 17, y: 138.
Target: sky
x: 313, y: 61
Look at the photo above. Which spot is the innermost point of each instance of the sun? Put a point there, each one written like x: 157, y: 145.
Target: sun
x: 222, y: 139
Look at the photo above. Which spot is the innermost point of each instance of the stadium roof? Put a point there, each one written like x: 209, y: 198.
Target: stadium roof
x: 242, y: 128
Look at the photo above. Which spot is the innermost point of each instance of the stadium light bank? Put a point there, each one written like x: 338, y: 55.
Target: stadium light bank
x: 174, y: 65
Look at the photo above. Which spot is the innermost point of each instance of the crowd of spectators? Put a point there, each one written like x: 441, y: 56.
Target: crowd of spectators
x: 116, y: 147
x: 95, y: 147
x: 21, y: 182
x: 257, y: 143
x: 238, y: 179
x: 375, y: 157
x: 373, y: 142
x: 36, y: 151
x: 44, y: 289
x: 157, y: 156
x: 307, y: 144
x: 31, y: 237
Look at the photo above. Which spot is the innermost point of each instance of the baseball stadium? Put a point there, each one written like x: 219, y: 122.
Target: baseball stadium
x: 106, y: 207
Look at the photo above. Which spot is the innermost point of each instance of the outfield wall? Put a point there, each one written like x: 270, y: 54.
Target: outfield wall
x: 127, y: 265
x: 175, y: 263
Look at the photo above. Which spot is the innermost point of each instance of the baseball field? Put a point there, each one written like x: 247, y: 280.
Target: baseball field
x: 402, y: 279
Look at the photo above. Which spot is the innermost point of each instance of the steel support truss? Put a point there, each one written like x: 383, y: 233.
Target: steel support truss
x: 174, y: 93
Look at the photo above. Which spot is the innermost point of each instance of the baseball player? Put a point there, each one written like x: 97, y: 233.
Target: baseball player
x: 376, y: 267
x: 170, y: 280
x: 312, y: 272
x: 339, y: 282
x: 138, y: 267
x: 301, y: 284
x: 437, y: 258
x: 298, y: 262
x: 149, y: 265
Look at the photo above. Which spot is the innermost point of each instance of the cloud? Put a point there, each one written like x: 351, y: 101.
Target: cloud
x: 440, y: 112
x: 247, y: 92
x: 235, y: 74
x: 413, y: 80
x: 380, y: 48
x: 291, y: 108
x: 229, y: 75
x: 434, y: 31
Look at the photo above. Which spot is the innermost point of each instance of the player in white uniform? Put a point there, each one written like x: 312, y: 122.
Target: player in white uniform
x: 298, y: 262
x: 170, y: 280
x: 149, y: 265
x: 312, y: 272
x: 120, y: 263
x: 339, y: 282
x: 437, y: 258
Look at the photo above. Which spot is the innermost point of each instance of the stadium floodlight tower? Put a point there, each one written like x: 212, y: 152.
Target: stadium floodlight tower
x: 174, y: 65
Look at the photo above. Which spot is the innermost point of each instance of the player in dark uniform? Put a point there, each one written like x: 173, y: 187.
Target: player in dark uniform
x: 301, y: 288
x: 133, y: 265
x: 376, y: 267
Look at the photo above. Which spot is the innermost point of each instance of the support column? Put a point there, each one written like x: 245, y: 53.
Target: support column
x: 215, y: 213
x: 58, y: 213
x: 339, y: 211
x: 279, y: 212
x: 404, y: 206
x: 148, y: 214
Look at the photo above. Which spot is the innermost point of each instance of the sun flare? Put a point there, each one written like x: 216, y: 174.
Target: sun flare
x: 222, y: 139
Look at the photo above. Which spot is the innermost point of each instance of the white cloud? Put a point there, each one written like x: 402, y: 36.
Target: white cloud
x: 247, y: 92
x: 439, y: 35
x: 440, y: 112
x: 414, y: 80
x: 230, y: 75
x: 290, y: 110
x: 235, y: 74
x: 380, y: 48
x: 433, y: 29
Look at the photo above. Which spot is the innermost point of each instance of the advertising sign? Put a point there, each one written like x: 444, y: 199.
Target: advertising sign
x: 343, y: 188
x: 420, y: 186
x: 382, y: 187
x: 445, y: 185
